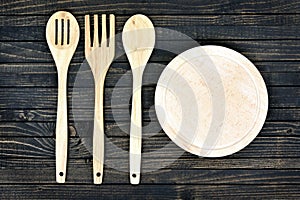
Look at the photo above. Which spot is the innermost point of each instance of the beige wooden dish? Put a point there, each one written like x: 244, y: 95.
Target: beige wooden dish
x: 211, y: 101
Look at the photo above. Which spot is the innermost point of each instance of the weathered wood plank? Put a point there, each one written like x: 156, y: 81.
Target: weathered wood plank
x: 46, y: 70
x: 198, y: 27
x: 150, y: 7
x: 36, y: 164
x: 165, y: 20
x: 119, y: 75
x: 45, y: 174
x: 255, y: 50
x: 121, y: 129
x: 122, y: 115
x: 203, y: 32
x: 81, y: 98
x: 149, y: 191
x: 39, y: 148
x: 157, y: 148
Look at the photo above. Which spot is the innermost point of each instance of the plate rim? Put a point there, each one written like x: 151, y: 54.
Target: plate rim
x: 261, y: 113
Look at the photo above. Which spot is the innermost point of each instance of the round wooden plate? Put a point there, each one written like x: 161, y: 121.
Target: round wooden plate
x: 211, y: 101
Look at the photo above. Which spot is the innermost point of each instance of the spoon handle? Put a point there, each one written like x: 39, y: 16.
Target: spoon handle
x: 61, y: 129
x: 98, y: 138
x: 136, y: 132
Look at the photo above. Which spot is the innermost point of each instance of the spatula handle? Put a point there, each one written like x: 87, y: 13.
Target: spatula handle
x: 61, y: 132
x: 98, y: 137
x: 136, y: 132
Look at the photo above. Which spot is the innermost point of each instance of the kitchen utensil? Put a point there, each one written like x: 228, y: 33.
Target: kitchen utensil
x: 62, y: 34
x: 138, y: 40
x: 211, y: 101
x: 99, y: 56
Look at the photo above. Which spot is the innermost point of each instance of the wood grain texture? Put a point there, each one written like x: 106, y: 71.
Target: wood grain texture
x: 179, y: 164
x: 81, y: 173
x: 166, y: 20
x: 229, y: 27
x: 74, y: 191
x: 121, y: 129
x: 267, y: 32
x: 119, y: 114
x: 161, y: 148
x: 151, y: 7
x: 255, y: 50
x: 201, y: 32
x: 83, y: 98
x: 119, y: 75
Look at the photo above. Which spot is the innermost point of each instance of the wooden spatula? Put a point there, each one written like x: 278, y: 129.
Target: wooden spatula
x: 62, y: 34
x: 138, y: 40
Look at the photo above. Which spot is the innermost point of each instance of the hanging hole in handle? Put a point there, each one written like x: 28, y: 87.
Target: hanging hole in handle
x: 61, y: 173
x: 98, y: 174
x: 134, y: 175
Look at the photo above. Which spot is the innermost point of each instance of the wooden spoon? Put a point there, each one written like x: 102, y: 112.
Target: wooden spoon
x: 138, y: 40
x: 62, y: 34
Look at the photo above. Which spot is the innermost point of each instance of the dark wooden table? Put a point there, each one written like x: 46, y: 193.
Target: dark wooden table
x: 265, y: 31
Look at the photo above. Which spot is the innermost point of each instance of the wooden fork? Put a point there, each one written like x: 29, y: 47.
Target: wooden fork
x: 99, y: 57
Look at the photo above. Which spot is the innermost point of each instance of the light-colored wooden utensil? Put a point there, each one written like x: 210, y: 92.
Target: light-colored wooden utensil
x: 62, y: 34
x: 211, y: 101
x: 99, y: 57
x: 138, y: 40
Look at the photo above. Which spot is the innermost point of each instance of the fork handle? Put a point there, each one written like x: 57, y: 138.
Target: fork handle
x: 61, y: 131
x: 98, y: 133
x: 135, y: 147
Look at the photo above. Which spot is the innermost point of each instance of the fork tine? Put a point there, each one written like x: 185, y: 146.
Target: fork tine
x: 87, y: 35
x: 59, y: 31
x: 111, y: 30
x: 96, y: 35
x: 103, y: 37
